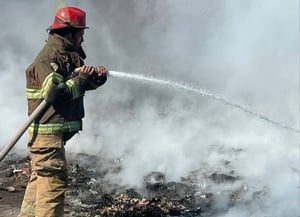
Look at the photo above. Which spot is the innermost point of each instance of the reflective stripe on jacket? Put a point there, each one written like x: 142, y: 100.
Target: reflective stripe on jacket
x: 53, y: 77
x: 33, y: 93
x: 49, y: 128
x: 54, y: 65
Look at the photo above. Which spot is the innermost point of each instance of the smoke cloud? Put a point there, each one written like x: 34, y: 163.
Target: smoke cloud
x: 247, y: 52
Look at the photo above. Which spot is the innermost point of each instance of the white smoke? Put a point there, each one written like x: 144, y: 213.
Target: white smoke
x: 246, y: 51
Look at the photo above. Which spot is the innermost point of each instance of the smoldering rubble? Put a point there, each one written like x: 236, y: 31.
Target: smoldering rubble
x: 91, y: 193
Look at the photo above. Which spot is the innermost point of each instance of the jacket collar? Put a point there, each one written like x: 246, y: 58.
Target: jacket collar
x: 64, y: 45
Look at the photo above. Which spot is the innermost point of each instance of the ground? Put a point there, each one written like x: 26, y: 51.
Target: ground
x: 10, y: 203
x: 91, y: 194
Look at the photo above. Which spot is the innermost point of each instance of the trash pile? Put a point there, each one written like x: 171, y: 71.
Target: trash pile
x: 14, y: 173
x: 90, y: 193
x: 89, y: 197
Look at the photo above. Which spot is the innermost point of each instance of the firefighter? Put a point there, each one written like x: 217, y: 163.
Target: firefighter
x: 51, y: 77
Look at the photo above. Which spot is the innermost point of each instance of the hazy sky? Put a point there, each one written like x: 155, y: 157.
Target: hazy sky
x: 245, y: 51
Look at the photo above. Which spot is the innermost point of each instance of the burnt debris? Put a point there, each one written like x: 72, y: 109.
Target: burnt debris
x: 91, y: 193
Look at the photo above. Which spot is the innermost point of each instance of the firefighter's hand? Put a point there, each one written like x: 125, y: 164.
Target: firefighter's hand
x: 100, y: 75
x: 101, y: 71
x: 85, y: 69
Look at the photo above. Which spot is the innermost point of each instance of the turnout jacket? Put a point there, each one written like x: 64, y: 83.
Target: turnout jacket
x: 55, y: 65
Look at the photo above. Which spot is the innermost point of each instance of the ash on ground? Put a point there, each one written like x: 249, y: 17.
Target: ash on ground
x: 91, y: 193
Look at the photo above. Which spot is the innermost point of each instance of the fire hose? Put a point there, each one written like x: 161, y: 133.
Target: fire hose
x: 51, y: 96
x: 35, y: 114
x: 124, y: 75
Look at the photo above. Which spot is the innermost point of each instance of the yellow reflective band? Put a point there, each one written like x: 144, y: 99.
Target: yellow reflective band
x: 74, y: 88
x: 53, y: 77
x: 70, y: 126
x: 33, y: 93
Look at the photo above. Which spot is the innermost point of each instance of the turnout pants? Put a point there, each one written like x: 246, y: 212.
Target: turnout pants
x: 44, y: 195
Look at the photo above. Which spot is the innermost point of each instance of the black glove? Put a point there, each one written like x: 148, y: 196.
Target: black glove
x: 55, y: 91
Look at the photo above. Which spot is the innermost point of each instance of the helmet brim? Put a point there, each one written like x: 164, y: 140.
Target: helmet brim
x: 61, y: 26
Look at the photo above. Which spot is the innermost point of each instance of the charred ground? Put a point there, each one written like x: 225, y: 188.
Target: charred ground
x: 90, y: 193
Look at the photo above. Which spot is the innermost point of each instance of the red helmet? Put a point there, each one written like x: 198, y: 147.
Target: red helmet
x: 69, y: 16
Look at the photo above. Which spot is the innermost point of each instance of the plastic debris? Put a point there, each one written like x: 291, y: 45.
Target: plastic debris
x: 144, y: 202
x: 10, y: 189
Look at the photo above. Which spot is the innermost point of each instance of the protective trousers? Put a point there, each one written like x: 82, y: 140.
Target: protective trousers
x: 44, y: 195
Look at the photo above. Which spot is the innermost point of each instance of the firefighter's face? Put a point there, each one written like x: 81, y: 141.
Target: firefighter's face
x: 78, y: 38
